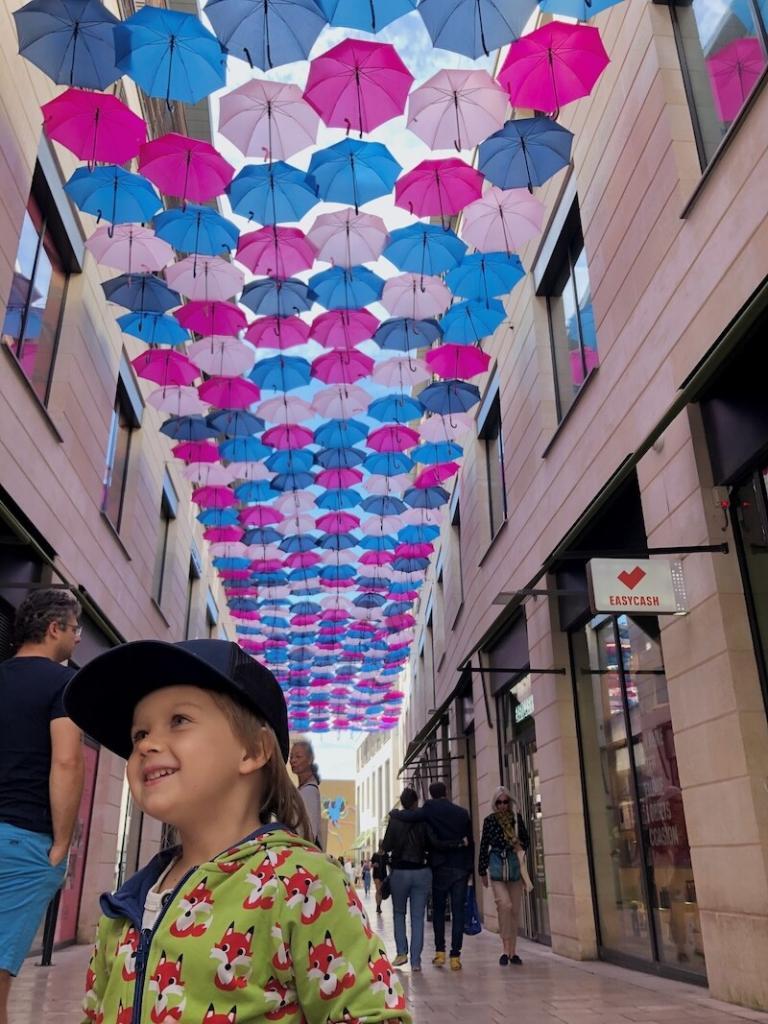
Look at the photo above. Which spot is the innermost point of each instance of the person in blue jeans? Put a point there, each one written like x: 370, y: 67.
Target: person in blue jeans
x: 410, y: 880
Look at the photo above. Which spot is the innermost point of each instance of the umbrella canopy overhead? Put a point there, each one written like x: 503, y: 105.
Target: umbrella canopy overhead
x: 71, y: 41
x: 270, y: 33
x: 271, y: 120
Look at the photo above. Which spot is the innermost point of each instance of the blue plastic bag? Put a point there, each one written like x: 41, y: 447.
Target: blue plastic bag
x: 472, y: 925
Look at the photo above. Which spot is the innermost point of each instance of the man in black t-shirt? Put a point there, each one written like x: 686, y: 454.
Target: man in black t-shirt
x: 41, y: 772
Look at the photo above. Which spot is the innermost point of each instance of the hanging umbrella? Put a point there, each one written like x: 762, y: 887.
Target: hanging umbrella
x: 276, y: 251
x: 416, y: 298
x: 269, y: 33
x: 438, y: 188
x: 338, y: 479
x: 272, y: 297
x: 436, y: 475
x: 278, y: 332
x: 392, y: 439
x: 346, y: 238
x: 340, y: 433
x: 340, y: 367
x: 235, y: 423
x: 247, y: 449
x: 526, y: 152
x: 469, y: 322
x: 110, y: 193
x: 180, y: 401
x: 481, y: 275
x: 426, y: 497
x: 457, y: 109
x: 369, y: 599
x: 171, y: 55
x: 445, y: 428
x: 197, y: 229
x: 154, y: 328
x: 370, y: 17
x: 289, y: 460
x: 358, y: 85
x: 403, y: 334
x: 431, y: 454
x: 292, y: 481
x: 502, y: 220
x: 554, y: 65
x: 212, y: 317
x: 210, y: 278
x: 185, y: 167
x: 281, y: 373
x: 268, y: 119
x: 354, y: 170
x: 286, y: 409
x: 129, y: 247
x: 475, y: 27
x: 141, y: 292
x: 71, y: 41
x: 203, y: 474
x: 458, y: 361
x: 288, y: 435
x: 425, y: 249
x: 423, y: 533
x: 400, y: 373
x: 196, y: 451
x: 214, y: 497
x: 220, y: 356
x: 395, y: 408
x: 272, y: 193
x: 94, y: 126
x: 388, y: 463
x: 581, y: 10
x: 338, y: 499
x: 346, y: 287
x: 229, y: 392
x: 384, y: 505
x: 187, y: 428
x: 733, y: 71
x: 447, y: 397
x: 343, y: 328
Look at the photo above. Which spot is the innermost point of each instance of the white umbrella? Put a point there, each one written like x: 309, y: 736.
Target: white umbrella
x: 347, y: 239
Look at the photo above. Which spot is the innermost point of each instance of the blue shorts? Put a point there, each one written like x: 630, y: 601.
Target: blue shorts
x: 27, y: 885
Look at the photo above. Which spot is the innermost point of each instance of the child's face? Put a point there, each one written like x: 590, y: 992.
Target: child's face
x: 186, y: 759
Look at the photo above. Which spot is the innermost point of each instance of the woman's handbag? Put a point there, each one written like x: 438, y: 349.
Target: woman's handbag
x: 472, y: 925
x: 504, y: 866
x: 386, y: 889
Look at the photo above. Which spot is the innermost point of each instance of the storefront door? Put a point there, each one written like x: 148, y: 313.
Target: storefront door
x: 641, y: 864
x: 749, y: 502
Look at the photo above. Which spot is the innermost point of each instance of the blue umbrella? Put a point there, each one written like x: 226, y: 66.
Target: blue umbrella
x: 424, y: 249
x: 469, y: 322
x: 222, y: 562
x: 170, y: 55
x: 290, y: 460
x: 153, y: 328
x: 281, y: 373
x: 381, y: 543
x: 426, y: 497
x: 218, y: 517
x: 369, y: 599
x: 384, y: 505
x: 336, y: 500
x: 235, y: 422
x: 475, y: 27
x: 337, y: 541
x: 305, y: 575
x: 340, y: 433
x: 142, y: 292
x: 293, y: 481
x: 297, y: 543
x: 353, y: 13
x: 482, y: 275
x: 338, y: 572
x: 256, y: 490
x: 187, y: 428
x: 196, y: 229
x: 112, y: 194
x: 525, y: 152
x: 449, y: 396
x: 395, y: 408
x: 583, y: 10
x: 354, y: 171
x: 272, y: 297
x: 410, y: 564
x: 272, y: 193
x: 346, y: 287
x: 434, y: 453
x: 269, y: 33
x: 388, y: 463
x: 401, y: 334
x: 262, y: 535
x: 71, y: 41
x: 245, y: 449
x: 397, y: 608
x: 416, y: 534
x: 340, y: 458
x: 275, y: 621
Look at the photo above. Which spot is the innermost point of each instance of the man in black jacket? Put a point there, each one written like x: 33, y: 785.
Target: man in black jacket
x: 452, y: 859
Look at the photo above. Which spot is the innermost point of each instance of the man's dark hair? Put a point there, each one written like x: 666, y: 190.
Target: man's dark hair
x: 437, y: 790
x: 39, y: 609
x: 409, y: 798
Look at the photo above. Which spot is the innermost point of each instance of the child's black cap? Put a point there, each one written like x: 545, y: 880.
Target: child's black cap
x: 102, y: 696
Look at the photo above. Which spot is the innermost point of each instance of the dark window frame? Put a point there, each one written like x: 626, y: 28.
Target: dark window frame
x: 122, y: 418
x: 491, y: 430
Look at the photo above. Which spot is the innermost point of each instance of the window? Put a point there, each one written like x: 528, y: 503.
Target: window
x: 195, y: 572
x: 722, y: 46
x: 169, y: 503
x: 490, y: 432
x: 456, y: 524
x: 35, y: 306
x: 126, y: 417
x: 211, y: 614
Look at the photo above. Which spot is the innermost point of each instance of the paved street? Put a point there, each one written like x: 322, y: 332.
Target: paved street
x: 547, y: 989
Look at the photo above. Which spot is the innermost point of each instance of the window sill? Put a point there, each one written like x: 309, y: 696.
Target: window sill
x: 160, y: 612
x: 561, y: 425
x: 494, y: 538
x: 25, y: 380
x: 113, y: 530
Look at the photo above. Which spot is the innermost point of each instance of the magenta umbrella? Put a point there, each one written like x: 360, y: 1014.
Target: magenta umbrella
x: 416, y: 296
x: 358, y: 85
x: 214, y: 497
x: 165, y: 367
x: 338, y: 522
x: 733, y: 71
x: 347, y: 239
x: 435, y: 475
x: 260, y: 515
x: 185, y: 167
x: 457, y: 109
x: 438, y: 188
x: 502, y: 220
x: 196, y: 451
x: 339, y: 367
x: 393, y: 438
x: 94, y: 126
x: 343, y: 328
x: 335, y: 479
x: 267, y: 119
x: 554, y: 65
x: 209, y: 278
x: 278, y: 332
x: 276, y: 251
x: 229, y: 392
x: 129, y: 247
x: 288, y: 435
x: 457, y: 361
x: 212, y: 317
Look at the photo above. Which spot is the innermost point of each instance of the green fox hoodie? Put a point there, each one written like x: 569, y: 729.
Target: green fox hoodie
x: 268, y: 931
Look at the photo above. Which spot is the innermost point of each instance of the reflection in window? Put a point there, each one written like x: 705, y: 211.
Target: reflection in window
x: 118, y: 450
x: 35, y: 305
x: 490, y: 432
x: 722, y: 48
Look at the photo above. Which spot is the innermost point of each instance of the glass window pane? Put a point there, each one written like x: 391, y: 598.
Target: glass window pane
x: 494, y: 458
x: 118, y: 450
x: 572, y: 325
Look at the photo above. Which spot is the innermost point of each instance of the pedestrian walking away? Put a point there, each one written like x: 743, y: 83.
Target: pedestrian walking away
x: 245, y: 919
x: 379, y: 865
x: 367, y: 875
x: 304, y: 767
x: 41, y: 772
x: 410, y: 880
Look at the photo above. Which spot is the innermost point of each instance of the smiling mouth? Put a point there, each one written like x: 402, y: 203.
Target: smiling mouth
x: 153, y: 777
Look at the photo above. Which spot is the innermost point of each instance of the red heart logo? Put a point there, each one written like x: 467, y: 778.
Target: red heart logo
x: 631, y: 579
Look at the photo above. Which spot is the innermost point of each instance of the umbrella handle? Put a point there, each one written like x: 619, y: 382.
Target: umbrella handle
x: 75, y: 34
x: 171, y: 47
x: 457, y: 140
x: 373, y: 15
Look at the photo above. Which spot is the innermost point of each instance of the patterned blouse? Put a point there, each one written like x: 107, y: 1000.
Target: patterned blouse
x: 493, y: 838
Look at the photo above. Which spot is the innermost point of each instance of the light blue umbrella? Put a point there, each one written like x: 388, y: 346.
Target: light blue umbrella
x: 469, y: 322
x: 154, y: 328
x: 245, y: 449
x: 354, y: 172
x: 424, y: 249
x: 432, y: 454
x: 340, y: 433
x: 346, y: 287
x: 112, y: 194
x: 275, y: 193
x: 72, y: 41
x: 281, y: 373
x: 395, y: 408
x: 402, y: 334
x: 290, y: 460
x: 583, y: 10
x: 274, y: 297
x: 475, y: 27
x: 196, y: 229
x: 235, y: 422
x: 367, y: 15
x: 484, y: 275
x: 525, y: 152
x: 267, y: 33
x: 388, y: 463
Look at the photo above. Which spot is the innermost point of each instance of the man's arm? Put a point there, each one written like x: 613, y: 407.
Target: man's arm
x: 415, y: 816
x: 65, y: 783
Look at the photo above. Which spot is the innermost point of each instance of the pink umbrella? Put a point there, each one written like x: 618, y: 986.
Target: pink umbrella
x: 380, y: 525
x: 393, y: 438
x: 343, y: 328
x: 267, y: 119
x: 229, y: 392
x: 260, y: 515
x: 295, y: 501
x: 214, y: 497
x: 94, y: 126
x: 165, y: 367
x: 185, y: 167
x: 554, y: 65
x: 196, y: 451
x: 733, y: 71
x: 285, y: 409
x: 347, y: 239
x: 415, y: 296
x: 338, y: 522
x: 209, y: 278
x: 422, y: 550
x: 438, y: 188
x: 457, y: 361
x: 446, y: 428
x: 577, y: 369
x: 212, y: 317
x: 221, y: 356
x: 180, y: 401
x: 201, y: 473
x: 266, y: 564
x: 250, y: 471
x: 339, y: 367
x: 379, y: 484
x: 377, y: 558
x: 288, y: 435
x: 302, y: 560
x: 296, y: 523
x: 226, y: 535
x: 358, y: 85
x: 401, y: 373
x: 278, y: 332
x: 502, y: 219
x: 335, y: 479
x: 341, y: 403
x: 457, y: 109
x: 276, y: 251
x: 435, y: 475
x: 129, y: 247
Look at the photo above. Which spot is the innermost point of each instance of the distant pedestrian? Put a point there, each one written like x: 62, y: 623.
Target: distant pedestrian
x: 304, y: 767
x: 41, y: 772
x: 367, y: 869
x: 379, y: 862
x: 349, y: 870
x: 410, y: 880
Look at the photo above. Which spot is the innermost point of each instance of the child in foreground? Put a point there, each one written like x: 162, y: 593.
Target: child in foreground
x: 244, y: 922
